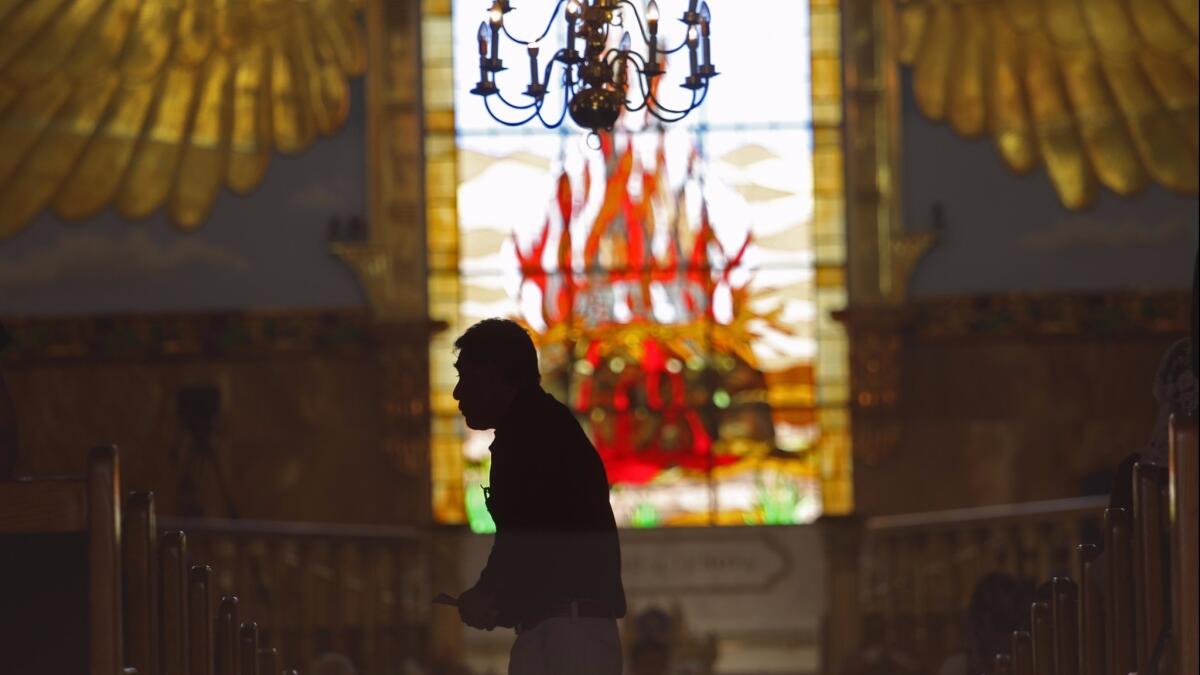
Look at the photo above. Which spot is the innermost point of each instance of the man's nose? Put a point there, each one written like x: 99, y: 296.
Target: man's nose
x: 455, y: 393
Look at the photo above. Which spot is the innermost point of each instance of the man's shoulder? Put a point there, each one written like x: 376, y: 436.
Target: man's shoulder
x: 554, y: 417
x: 546, y: 407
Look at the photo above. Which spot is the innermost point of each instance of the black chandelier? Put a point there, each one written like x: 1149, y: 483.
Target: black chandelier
x: 597, y: 84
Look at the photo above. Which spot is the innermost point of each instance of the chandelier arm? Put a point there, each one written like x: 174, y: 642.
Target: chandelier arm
x: 636, y: 108
x: 562, y: 115
x: 645, y: 104
x: 549, y: 25
x: 488, y: 106
x: 561, y: 57
x: 663, y: 118
x: 573, y: 82
x: 549, y: 69
x: 672, y: 51
x: 666, y: 114
x: 646, y: 93
x: 663, y: 113
x: 514, y: 106
x: 612, y: 56
x: 639, y: 60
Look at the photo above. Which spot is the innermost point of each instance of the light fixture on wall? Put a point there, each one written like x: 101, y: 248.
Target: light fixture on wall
x: 600, y: 81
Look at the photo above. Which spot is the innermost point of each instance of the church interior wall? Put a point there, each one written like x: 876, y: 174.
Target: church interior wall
x: 1032, y: 332
x: 297, y: 433
x: 979, y: 405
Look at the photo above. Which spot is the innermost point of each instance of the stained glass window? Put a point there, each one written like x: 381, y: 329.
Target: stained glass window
x: 677, y: 279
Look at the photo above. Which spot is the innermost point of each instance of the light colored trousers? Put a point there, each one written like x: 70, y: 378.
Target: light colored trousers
x: 567, y: 646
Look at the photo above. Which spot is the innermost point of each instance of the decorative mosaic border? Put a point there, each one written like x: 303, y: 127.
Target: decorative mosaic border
x: 172, y: 336
x: 1165, y: 312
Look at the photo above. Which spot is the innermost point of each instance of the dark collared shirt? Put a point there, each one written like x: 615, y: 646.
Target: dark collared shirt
x: 556, y: 538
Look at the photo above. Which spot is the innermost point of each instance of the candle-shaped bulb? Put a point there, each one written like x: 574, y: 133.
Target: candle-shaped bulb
x: 705, y: 18
x: 534, y: 83
x: 621, y: 56
x: 484, y: 36
x: 496, y: 15
x: 693, y: 41
x: 652, y: 19
x: 573, y: 11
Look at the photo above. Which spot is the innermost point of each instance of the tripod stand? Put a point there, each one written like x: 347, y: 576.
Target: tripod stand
x: 198, y: 407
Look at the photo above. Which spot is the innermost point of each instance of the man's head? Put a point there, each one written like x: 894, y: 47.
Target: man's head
x: 496, y: 360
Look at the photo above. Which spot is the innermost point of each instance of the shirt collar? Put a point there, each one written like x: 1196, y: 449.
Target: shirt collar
x: 522, y: 406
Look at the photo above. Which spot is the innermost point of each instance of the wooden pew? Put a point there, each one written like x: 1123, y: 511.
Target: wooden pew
x: 1184, y: 524
x: 83, y: 606
x: 145, y: 633
x: 1064, y: 621
x: 139, y: 568
x: 1117, y: 629
x: 268, y: 661
x: 1118, y: 596
x: 1022, y: 653
x: 232, y: 649
x: 1151, y: 541
x: 1043, y: 638
x: 1114, y: 620
x: 201, y: 645
x: 248, y: 648
x: 87, y: 586
x: 226, y: 650
x: 1091, y: 611
x: 173, y: 571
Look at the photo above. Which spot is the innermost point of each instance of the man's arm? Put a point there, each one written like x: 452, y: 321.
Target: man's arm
x: 489, y: 577
x: 477, y: 606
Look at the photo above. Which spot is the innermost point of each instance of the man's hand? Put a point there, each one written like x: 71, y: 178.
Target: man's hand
x: 477, y: 608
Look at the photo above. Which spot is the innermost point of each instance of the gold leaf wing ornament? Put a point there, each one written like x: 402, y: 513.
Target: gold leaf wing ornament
x: 1102, y: 92
x: 141, y: 104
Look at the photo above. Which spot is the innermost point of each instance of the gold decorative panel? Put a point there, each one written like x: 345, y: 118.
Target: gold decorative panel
x: 137, y: 104
x: 1100, y: 92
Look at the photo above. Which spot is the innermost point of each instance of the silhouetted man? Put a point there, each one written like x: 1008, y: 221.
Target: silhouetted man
x: 554, y: 573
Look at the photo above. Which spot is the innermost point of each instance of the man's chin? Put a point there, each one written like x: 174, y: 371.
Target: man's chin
x: 477, y: 425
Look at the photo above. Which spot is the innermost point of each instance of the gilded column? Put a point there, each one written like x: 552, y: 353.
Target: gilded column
x: 391, y: 262
x: 882, y: 254
x: 841, y: 536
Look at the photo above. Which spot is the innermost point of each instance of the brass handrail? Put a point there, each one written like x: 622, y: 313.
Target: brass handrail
x: 1050, y: 508
x: 285, y: 528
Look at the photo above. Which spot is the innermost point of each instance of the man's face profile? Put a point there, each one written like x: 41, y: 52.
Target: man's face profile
x: 483, y: 396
